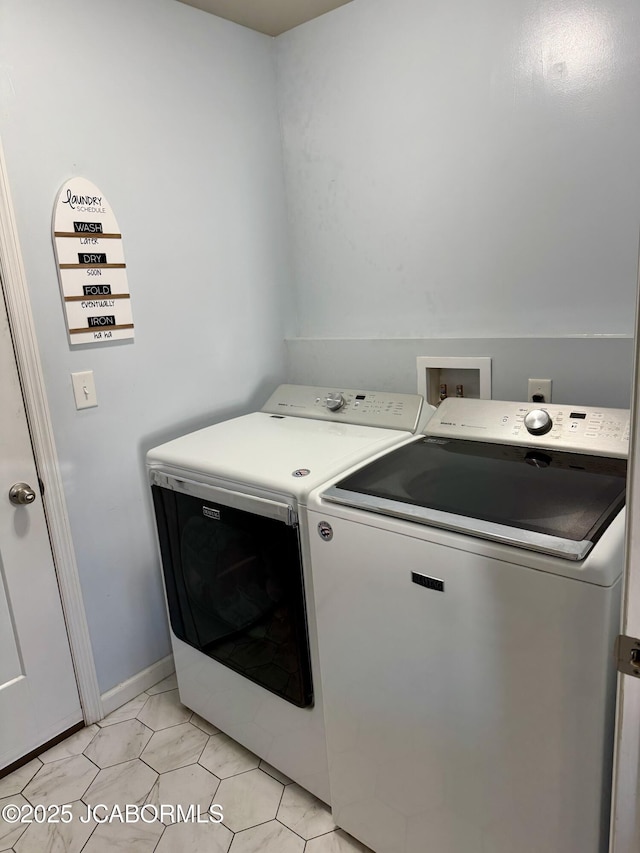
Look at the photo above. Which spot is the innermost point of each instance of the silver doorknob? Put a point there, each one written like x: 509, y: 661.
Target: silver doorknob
x: 21, y: 494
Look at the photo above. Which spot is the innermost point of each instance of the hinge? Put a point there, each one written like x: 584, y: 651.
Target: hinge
x: 628, y: 655
x: 158, y: 479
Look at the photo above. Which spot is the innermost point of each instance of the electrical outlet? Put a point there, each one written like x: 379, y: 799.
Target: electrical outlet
x: 539, y: 391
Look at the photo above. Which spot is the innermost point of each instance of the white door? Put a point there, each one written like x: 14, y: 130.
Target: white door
x: 38, y: 693
x: 626, y: 799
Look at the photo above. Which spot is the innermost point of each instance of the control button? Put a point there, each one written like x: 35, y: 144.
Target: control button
x: 335, y: 401
x: 538, y: 421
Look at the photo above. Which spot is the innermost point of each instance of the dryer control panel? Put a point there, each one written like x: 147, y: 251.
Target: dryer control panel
x: 384, y: 409
x: 579, y: 429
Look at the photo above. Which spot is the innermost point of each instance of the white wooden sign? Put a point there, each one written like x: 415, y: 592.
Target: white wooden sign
x: 91, y: 267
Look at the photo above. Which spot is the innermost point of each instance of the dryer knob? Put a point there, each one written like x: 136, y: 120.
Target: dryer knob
x: 538, y: 422
x: 335, y: 401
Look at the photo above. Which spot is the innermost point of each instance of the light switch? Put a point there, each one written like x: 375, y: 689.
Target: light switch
x: 84, y: 389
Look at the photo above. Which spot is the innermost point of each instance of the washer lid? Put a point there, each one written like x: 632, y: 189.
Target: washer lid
x: 550, y: 501
x: 289, y: 455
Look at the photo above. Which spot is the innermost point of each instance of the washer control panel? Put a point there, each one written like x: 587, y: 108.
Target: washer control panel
x: 366, y: 408
x: 578, y: 429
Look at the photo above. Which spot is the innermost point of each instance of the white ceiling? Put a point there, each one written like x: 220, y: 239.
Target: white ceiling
x: 267, y: 16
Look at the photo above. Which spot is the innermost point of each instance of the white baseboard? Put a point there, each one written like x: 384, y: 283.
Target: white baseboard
x: 132, y: 687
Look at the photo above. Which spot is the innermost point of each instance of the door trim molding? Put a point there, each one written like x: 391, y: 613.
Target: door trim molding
x: 22, y: 325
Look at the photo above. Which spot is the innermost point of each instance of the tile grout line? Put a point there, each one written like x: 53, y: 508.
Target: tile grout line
x: 193, y: 763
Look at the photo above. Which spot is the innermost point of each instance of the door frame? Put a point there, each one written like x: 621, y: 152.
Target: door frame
x: 14, y: 285
x: 625, y: 818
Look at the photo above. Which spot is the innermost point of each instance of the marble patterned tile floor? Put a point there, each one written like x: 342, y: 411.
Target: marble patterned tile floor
x: 154, y: 752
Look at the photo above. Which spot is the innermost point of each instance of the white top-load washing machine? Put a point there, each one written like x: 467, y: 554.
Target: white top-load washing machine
x: 467, y: 592
x: 228, y: 502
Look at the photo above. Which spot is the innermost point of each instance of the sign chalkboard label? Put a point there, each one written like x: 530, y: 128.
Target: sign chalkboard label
x: 87, y: 227
x: 96, y: 289
x: 104, y: 320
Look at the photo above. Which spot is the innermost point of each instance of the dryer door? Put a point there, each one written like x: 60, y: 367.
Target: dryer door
x: 234, y: 587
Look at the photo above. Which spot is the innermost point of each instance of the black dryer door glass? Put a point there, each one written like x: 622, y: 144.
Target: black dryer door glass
x: 235, y: 590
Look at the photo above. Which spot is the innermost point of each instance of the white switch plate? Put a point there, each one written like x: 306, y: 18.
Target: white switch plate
x: 540, y: 386
x: 84, y: 389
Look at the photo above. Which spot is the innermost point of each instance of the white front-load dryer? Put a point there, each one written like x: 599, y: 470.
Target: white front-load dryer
x: 229, y: 503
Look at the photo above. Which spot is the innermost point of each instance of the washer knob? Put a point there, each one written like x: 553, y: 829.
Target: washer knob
x: 335, y: 401
x: 538, y: 422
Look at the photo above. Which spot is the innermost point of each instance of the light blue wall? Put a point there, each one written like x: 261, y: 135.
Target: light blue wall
x: 172, y: 113
x: 453, y: 171
x: 464, y: 170
x: 584, y: 371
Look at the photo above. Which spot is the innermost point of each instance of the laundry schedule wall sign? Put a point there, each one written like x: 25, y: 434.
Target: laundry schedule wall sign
x: 91, y: 266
